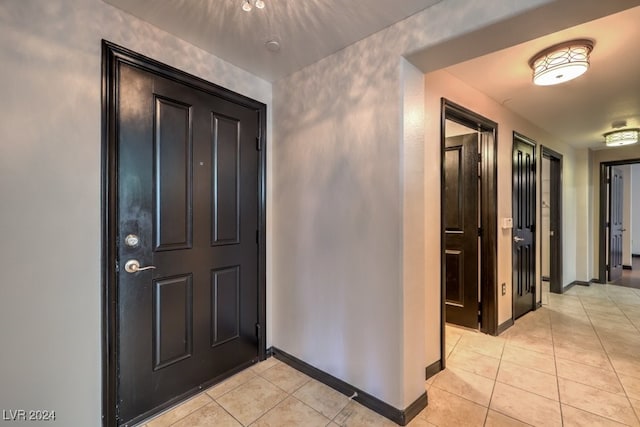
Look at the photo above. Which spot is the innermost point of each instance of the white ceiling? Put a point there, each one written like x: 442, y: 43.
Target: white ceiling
x: 579, y: 111
x: 306, y: 30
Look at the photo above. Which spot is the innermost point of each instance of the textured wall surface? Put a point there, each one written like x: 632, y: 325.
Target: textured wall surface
x: 340, y: 189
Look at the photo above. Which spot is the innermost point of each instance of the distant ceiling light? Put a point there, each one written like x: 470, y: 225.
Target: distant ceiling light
x: 617, y: 138
x: 247, y: 5
x: 561, y: 63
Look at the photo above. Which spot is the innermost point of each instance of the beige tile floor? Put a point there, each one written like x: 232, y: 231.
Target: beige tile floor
x: 574, y: 362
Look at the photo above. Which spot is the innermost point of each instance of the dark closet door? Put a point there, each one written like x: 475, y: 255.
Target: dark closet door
x: 461, y: 229
x: 524, y: 226
x: 188, y: 215
x: 616, y: 188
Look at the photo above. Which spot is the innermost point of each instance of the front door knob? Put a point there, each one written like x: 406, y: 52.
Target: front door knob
x: 133, y: 266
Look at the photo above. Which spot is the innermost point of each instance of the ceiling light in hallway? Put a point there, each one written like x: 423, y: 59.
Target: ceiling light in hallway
x: 561, y: 62
x: 620, y: 137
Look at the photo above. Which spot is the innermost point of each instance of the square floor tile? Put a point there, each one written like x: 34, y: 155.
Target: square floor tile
x: 608, y: 405
x: 537, y: 382
x: 597, y: 359
x: 265, y: 364
x: 322, y: 398
x: 530, y: 359
x: 473, y: 362
x: 291, y: 413
x: 602, y: 379
x: 625, y: 364
x: 173, y: 415
x: 574, y: 417
x: 420, y: 421
x: 531, y: 343
x: 446, y: 409
x: 465, y: 384
x: 231, y: 383
x: 285, y: 377
x: 496, y: 419
x: 210, y: 415
x: 631, y: 386
x: 483, y: 344
x: 251, y: 400
x: 526, y: 407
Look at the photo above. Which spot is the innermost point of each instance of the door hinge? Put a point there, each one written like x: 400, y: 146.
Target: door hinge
x: 479, y: 312
x: 258, y: 329
x: 258, y: 143
x: 257, y: 237
x: 479, y: 232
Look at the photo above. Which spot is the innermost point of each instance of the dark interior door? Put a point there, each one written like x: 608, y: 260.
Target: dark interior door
x: 524, y: 226
x: 461, y: 229
x: 188, y: 206
x: 616, y: 219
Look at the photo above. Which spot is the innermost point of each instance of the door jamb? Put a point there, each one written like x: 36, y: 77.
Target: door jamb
x: 520, y: 137
x: 602, y: 220
x: 488, y: 223
x: 113, y: 54
x: 555, y: 216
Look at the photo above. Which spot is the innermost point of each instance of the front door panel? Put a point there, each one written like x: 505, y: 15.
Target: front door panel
x: 188, y: 191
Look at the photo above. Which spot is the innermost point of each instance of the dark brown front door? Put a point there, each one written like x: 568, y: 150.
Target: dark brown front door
x: 187, y: 213
x: 461, y: 227
x: 524, y: 224
x: 616, y: 188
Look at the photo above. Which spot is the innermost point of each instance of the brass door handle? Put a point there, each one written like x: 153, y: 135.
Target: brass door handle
x: 133, y: 266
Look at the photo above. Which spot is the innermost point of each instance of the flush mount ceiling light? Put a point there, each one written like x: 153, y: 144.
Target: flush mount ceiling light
x: 247, y: 5
x: 561, y: 63
x: 620, y: 137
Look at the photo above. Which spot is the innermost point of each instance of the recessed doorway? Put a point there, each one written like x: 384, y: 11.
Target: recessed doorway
x: 469, y: 215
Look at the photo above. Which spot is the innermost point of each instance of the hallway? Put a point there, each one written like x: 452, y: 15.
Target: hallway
x: 631, y: 278
x: 574, y: 362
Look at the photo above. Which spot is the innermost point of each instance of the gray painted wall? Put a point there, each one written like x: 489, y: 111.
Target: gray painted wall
x: 343, y: 299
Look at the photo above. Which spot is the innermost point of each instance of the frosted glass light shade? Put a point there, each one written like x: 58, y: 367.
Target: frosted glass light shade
x: 561, y: 63
x: 621, y: 137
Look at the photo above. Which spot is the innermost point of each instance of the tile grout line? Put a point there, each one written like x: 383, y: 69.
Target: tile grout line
x: 616, y: 371
x: 606, y: 352
x: 555, y: 364
x: 495, y: 380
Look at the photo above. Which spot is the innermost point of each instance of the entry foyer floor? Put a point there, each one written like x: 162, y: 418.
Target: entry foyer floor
x: 574, y: 362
